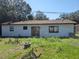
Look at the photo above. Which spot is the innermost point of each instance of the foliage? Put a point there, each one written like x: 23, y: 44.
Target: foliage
x: 40, y: 16
x: 45, y: 48
x: 14, y: 10
x: 71, y: 16
x: 30, y: 17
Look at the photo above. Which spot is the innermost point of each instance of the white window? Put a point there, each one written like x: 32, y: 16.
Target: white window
x: 11, y: 28
x: 53, y: 29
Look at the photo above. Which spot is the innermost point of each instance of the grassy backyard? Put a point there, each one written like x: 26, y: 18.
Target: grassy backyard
x: 44, y: 48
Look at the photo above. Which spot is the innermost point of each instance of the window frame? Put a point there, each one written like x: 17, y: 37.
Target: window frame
x: 54, y: 27
x: 11, y: 28
x: 25, y: 27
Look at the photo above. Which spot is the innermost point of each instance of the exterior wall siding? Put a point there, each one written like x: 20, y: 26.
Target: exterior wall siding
x: 64, y: 30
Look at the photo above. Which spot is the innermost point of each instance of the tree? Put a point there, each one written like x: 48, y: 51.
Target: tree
x: 14, y: 10
x: 40, y: 16
x: 30, y: 17
x: 23, y: 10
x: 71, y: 16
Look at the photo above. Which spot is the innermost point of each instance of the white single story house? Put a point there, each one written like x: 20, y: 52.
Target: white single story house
x: 40, y: 28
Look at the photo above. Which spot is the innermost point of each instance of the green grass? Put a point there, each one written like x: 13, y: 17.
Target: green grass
x: 50, y: 48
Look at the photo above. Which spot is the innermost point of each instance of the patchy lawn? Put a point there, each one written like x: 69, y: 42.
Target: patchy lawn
x: 43, y: 48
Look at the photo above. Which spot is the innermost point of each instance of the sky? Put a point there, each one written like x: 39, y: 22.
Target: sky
x: 66, y: 6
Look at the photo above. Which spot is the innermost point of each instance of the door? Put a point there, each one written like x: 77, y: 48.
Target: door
x: 35, y: 31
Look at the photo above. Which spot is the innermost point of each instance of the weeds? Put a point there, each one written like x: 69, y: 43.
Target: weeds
x: 10, y: 41
x: 43, y: 48
x: 59, y: 49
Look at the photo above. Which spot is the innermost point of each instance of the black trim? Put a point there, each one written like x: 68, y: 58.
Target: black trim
x: 74, y: 29
x: 40, y: 24
x: 0, y: 30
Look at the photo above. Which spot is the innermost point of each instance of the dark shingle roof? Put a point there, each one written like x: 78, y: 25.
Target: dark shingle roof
x: 40, y: 22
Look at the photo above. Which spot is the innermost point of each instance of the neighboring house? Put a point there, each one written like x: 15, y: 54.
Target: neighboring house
x: 39, y: 28
x: 77, y: 28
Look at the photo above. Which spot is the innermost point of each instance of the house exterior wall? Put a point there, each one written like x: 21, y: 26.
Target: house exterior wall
x: 64, y: 30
